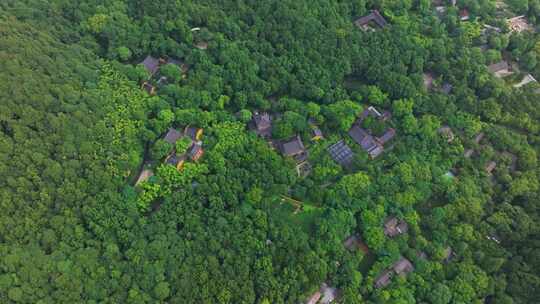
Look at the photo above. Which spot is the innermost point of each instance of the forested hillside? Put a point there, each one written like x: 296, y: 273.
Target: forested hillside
x: 279, y: 151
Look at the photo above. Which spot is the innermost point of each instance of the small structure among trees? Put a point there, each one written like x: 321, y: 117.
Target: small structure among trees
x: 447, y: 133
x: 394, y: 227
x: 151, y: 64
x: 325, y: 295
x: 500, y: 69
x: 162, y: 71
x: 491, y: 165
x: 149, y: 88
x: 374, y: 17
x: 294, y: 148
x: 262, y: 124
x: 401, y: 267
x: 464, y: 14
x: 518, y: 24
x: 354, y: 242
x: 185, y: 144
x: 316, y: 133
x: 373, y: 145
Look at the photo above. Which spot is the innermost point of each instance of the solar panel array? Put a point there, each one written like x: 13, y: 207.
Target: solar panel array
x: 341, y: 153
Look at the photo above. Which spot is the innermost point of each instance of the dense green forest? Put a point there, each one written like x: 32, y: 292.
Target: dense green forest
x: 245, y: 220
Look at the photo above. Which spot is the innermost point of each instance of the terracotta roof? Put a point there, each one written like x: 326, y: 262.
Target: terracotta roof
x: 196, y: 151
x: 464, y: 14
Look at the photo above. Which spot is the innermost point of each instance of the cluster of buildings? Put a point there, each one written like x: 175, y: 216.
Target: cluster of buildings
x: 394, y: 227
x: 152, y: 66
x: 373, y: 145
x: 176, y: 158
x: 294, y: 147
x: 194, y: 151
x: 491, y: 165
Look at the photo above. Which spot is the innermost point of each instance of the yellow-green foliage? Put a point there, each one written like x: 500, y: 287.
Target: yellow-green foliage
x: 126, y: 109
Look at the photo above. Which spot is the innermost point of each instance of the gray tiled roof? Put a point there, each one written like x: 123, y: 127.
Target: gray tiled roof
x: 151, y: 64
x: 293, y: 147
x: 172, y: 136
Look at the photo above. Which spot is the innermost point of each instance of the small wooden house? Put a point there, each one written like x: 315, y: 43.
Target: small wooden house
x: 149, y: 88
x: 374, y: 17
